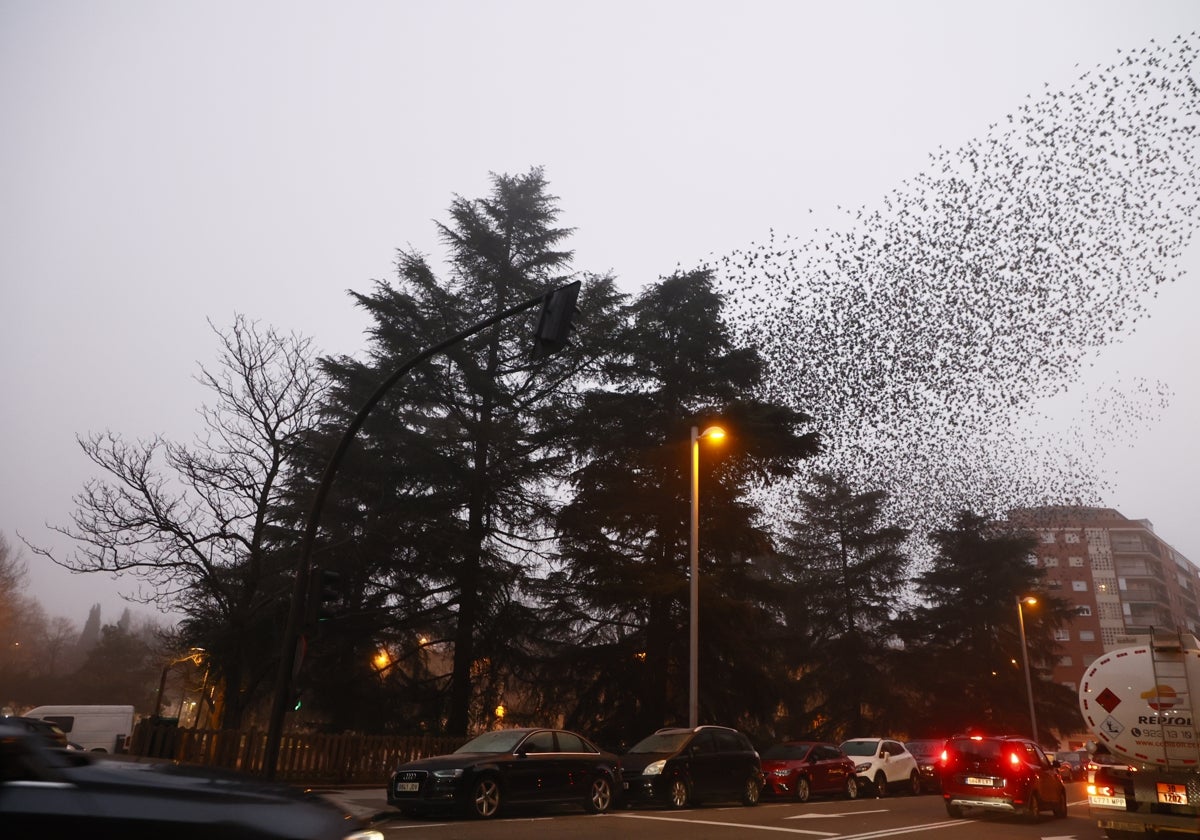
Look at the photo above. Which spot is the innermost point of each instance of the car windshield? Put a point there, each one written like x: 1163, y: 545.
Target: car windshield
x: 787, y: 752
x: 661, y: 742
x: 499, y: 741
x: 860, y: 747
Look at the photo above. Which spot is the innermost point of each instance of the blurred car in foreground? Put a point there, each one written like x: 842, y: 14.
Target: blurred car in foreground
x: 508, y: 767
x: 884, y: 765
x: 798, y: 769
x: 51, y: 792
x: 50, y: 731
x: 1011, y: 775
x: 927, y: 752
x: 680, y: 767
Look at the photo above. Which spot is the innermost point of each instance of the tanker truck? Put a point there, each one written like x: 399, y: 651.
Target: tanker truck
x: 1140, y: 702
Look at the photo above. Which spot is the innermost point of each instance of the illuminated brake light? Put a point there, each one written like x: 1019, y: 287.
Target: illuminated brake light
x: 1014, y: 759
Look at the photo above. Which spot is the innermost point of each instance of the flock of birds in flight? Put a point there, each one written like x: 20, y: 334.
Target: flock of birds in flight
x: 923, y: 333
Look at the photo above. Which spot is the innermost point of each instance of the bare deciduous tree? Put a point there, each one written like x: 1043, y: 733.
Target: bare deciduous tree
x: 200, y: 526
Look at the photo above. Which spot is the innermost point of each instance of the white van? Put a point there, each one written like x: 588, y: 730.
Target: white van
x: 94, y: 728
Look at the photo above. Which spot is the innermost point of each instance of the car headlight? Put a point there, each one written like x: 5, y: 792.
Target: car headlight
x: 782, y: 771
x: 654, y: 768
x: 448, y: 774
x: 862, y: 768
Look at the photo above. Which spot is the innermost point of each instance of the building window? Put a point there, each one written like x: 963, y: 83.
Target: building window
x: 1077, y: 562
x: 1072, y: 686
x: 1072, y: 538
x: 1050, y: 562
x: 1087, y: 636
x: 1062, y: 634
x: 1065, y: 662
x: 1079, y: 585
x: 1127, y: 541
x: 1048, y: 537
x: 1083, y: 610
x: 1054, y: 585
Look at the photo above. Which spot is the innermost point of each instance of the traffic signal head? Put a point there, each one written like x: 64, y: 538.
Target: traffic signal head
x: 329, y: 593
x: 554, y: 327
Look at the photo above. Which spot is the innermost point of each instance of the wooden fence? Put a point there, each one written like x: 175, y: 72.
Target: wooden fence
x: 308, y: 759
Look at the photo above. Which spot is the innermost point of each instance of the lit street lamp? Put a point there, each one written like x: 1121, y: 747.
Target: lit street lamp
x: 195, y: 656
x: 1030, y: 600
x: 712, y: 433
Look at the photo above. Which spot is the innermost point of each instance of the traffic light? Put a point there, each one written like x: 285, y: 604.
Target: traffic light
x: 554, y: 327
x: 329, y: 593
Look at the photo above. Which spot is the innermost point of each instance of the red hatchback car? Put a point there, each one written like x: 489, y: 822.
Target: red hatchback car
x: 798, y: 769
x: 1000, y: 773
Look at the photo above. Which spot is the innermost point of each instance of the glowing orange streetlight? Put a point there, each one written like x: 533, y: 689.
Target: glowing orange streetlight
x: 711, y: 433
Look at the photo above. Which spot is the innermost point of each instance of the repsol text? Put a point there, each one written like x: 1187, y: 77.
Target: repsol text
x: 1164, y: 720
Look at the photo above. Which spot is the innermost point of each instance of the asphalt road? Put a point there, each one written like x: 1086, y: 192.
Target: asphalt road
x: 832, y: 819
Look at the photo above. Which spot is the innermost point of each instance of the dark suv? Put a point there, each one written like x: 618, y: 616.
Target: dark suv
x: 680, y: 767
x: 1000, y: 773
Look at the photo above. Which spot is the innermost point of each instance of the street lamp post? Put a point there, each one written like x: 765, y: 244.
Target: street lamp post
x: 1030, y: 600
x: 713, y: 433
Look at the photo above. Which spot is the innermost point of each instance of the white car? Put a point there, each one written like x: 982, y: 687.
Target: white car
x: 884, y: 765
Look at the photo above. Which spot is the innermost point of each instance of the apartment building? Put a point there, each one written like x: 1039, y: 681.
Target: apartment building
x: 1121, y: 576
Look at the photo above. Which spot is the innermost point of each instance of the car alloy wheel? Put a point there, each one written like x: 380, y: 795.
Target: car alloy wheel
x: 881, y: 784
x: 600, y: 799
x: 802, y: 790
x: 751, y: 791
x: 485, y: 797
x: 852, y: 789
x: 679, y: 793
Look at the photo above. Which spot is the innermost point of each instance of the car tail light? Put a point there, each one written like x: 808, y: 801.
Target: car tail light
x: 1101, y: 790
x: 1014, y: 759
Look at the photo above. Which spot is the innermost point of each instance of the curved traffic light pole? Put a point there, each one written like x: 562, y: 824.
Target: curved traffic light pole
x: 558, y: 305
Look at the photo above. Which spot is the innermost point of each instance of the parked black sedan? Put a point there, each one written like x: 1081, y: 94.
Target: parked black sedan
x: 508, y: 767
x: 51, y: 792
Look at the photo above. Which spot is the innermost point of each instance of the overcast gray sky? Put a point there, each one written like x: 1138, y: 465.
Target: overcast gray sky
x: 164, y: 163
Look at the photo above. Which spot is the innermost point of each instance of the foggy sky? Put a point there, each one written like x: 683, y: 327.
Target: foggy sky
x: 168, y: 163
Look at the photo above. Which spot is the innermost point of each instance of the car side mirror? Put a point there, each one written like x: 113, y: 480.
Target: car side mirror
x: 883, y: 754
